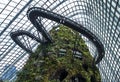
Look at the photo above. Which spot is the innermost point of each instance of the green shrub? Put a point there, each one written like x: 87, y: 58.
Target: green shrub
x: 45, y: 68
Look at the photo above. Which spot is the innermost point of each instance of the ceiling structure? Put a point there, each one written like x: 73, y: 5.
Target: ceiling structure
x: 101, y: 17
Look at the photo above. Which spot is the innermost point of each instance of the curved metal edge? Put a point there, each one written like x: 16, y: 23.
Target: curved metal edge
x: 34, y: 12
x: 14, y: 36
x: 40, y: 28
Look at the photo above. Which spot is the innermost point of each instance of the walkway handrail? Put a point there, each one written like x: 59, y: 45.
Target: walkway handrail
x: 35, y: 12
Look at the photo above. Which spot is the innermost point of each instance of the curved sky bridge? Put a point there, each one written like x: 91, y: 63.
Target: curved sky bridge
x: 35, y: 12
x: 98, y: 19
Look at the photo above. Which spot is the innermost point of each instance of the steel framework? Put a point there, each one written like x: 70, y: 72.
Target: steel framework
x: 100, y: 17
x: 35, y: 12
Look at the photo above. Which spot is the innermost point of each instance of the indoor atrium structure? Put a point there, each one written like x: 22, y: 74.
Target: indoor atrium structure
x: 59, y: 40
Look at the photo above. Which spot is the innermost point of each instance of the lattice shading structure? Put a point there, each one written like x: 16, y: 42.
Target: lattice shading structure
x: 101, y: 17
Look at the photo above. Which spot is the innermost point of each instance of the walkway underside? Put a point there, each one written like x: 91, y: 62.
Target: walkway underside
x: 33, y: 15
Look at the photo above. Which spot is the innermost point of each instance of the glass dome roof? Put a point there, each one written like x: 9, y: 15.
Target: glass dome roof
x: 101, y: 17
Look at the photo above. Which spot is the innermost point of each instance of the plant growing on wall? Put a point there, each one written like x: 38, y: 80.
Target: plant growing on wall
x: 67, y: 59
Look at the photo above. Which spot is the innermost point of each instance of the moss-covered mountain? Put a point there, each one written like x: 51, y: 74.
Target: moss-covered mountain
x: 67, y: 59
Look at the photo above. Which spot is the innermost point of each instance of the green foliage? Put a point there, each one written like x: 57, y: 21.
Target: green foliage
x: 40, y: 68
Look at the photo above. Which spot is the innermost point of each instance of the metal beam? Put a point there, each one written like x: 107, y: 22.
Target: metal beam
x: 15, y: 17
x: 17, y: 60
x: 33, y: 12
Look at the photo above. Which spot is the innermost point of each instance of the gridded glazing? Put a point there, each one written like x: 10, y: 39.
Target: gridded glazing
x: 102, y: 17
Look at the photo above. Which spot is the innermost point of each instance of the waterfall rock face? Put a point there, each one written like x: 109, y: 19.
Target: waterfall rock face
x: 63, y: 62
